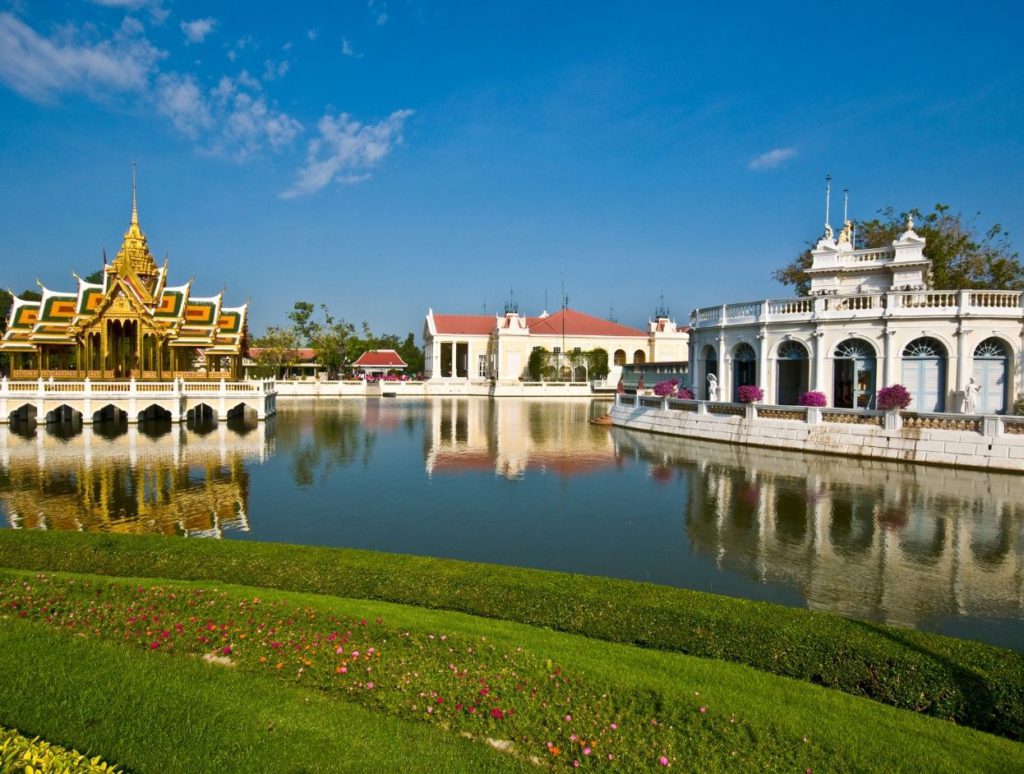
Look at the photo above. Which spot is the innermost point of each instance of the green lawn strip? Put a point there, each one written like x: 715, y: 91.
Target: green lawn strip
x: 971, y: 683
x: 149, y: 713
x: 752, y: 720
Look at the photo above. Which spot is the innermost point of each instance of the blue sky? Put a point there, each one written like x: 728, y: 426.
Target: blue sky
x: 385, y: 157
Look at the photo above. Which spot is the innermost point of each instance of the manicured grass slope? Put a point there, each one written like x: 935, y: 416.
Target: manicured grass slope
x: 150, y: 713
x: 154, y: 712
x: 971, y: 683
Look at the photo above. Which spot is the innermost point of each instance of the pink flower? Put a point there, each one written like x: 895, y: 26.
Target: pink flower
x: 663, y: 760
x: 497, y: 714
x: 339, y: 650
x: 369, y: 686
x: 576, y: 763
x: 703, y: 709
x: 611, y: 757
x: 226, y: 650
x: 587, y: 751
x: 614, y: 726
x: 568, y: 718
x: 154, y: 645
x: 430, y: 710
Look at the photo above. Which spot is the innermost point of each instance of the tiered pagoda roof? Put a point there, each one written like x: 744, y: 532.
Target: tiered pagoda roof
x: 132, y: 284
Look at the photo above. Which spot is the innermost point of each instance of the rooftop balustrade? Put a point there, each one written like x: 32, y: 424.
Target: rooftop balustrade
x: 897, y: 304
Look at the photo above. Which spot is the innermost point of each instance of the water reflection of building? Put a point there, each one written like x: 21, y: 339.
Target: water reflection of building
x: 510, y: 437
x: 181, y: 482
x: 866, y: 539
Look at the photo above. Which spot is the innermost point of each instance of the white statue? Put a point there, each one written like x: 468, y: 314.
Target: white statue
x: 712, y: 387
x: 971, y: 396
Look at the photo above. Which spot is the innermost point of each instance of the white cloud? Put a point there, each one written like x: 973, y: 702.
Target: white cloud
x: 273, y: 72
x: 772, y: 159
x: 345, y: 151
x: 382, y: 20
x: 347, y: 50
x: 312, y: 33
x: 40, y: 68
x: 197, y: 29
x: 156, y: 8
x: 180, y: 99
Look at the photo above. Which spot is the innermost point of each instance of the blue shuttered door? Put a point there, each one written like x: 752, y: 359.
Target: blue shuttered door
x: 990, y: 374
x: 925, y: 379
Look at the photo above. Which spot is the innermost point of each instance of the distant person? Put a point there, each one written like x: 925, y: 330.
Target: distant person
x: 620, y: 387
x: 640, y: 385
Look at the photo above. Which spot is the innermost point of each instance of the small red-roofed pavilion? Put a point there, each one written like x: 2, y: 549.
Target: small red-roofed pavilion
x: 379, y: 362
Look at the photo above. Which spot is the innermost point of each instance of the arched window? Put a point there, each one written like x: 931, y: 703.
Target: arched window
x: 744, y: 368
x: 639, y: 356
x: 791, y: 372
x: 992, y: 375
x: 924, y: 374
x: 620, y: 357
x: 853, y: 375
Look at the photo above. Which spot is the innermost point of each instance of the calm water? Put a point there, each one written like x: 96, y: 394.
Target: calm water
x: 533, y: 484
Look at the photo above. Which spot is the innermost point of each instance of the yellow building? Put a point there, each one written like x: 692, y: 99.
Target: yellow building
x: 131, y: 325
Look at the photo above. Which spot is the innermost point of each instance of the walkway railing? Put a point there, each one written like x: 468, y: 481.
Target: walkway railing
x: 987, y: 425
x: 131, y: 388
x: 923, y: 303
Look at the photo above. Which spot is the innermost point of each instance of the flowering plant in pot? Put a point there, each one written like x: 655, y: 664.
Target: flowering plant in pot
x: 813, y: 398
x: 893, y: 398
x: 749, y: 393
x: 661, y: 389
x: 685, y: 393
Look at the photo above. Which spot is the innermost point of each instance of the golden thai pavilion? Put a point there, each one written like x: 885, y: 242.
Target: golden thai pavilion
x: 131, y: 325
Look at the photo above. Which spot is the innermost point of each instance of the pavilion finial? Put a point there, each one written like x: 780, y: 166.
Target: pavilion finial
x: 828, y: 202
x: 135, y: 201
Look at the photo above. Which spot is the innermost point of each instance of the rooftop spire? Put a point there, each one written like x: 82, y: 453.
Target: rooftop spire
x: 134, y: 252
x: 135, y: 202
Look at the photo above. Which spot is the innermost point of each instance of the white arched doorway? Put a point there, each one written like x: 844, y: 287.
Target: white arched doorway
x: 991, y: 372
x: 853, y: 375
x: 791, y: 372
x: 924, y: 374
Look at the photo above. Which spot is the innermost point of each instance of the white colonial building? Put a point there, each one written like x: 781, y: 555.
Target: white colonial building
x: 872, y: 320
x: 497, y: 348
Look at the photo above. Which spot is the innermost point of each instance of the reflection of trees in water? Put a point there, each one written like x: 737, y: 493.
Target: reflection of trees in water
x: 320, y: 441
x: 877, y: 540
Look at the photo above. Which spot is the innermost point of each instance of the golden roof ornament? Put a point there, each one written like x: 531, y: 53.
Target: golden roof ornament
x: 134, y: 252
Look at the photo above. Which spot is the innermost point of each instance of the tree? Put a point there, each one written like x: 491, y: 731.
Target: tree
x: 330, y: 341
x: 303, y: 323
x: 277, y: 351
x: 961, y: 258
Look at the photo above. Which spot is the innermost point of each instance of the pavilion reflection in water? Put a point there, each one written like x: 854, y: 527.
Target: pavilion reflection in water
x: 866, y: 539
x: 178, y: 482
x: 510, y: 437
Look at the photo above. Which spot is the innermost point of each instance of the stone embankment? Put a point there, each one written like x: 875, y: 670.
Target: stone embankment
x: 985, y: 442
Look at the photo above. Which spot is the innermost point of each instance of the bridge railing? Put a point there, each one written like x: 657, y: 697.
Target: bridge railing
x: 132, y: 388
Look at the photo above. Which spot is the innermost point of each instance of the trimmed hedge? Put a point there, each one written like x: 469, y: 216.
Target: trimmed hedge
x: 970, y: 683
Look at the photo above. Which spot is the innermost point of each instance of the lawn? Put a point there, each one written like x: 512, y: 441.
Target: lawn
x: 162, y: 675
x: 970, y: 683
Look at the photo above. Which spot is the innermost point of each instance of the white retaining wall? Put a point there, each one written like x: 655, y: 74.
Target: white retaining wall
x: 994, y: 449
x: 361, y: 389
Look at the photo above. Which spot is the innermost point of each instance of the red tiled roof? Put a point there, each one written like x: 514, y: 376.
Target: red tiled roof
x: 301, y: 353
x: 474, y: 324
x: 380, y: 358
x: 579, y: 324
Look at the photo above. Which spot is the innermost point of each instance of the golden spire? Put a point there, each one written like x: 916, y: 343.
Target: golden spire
x: 134, y: 252
x: 135, y: 201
